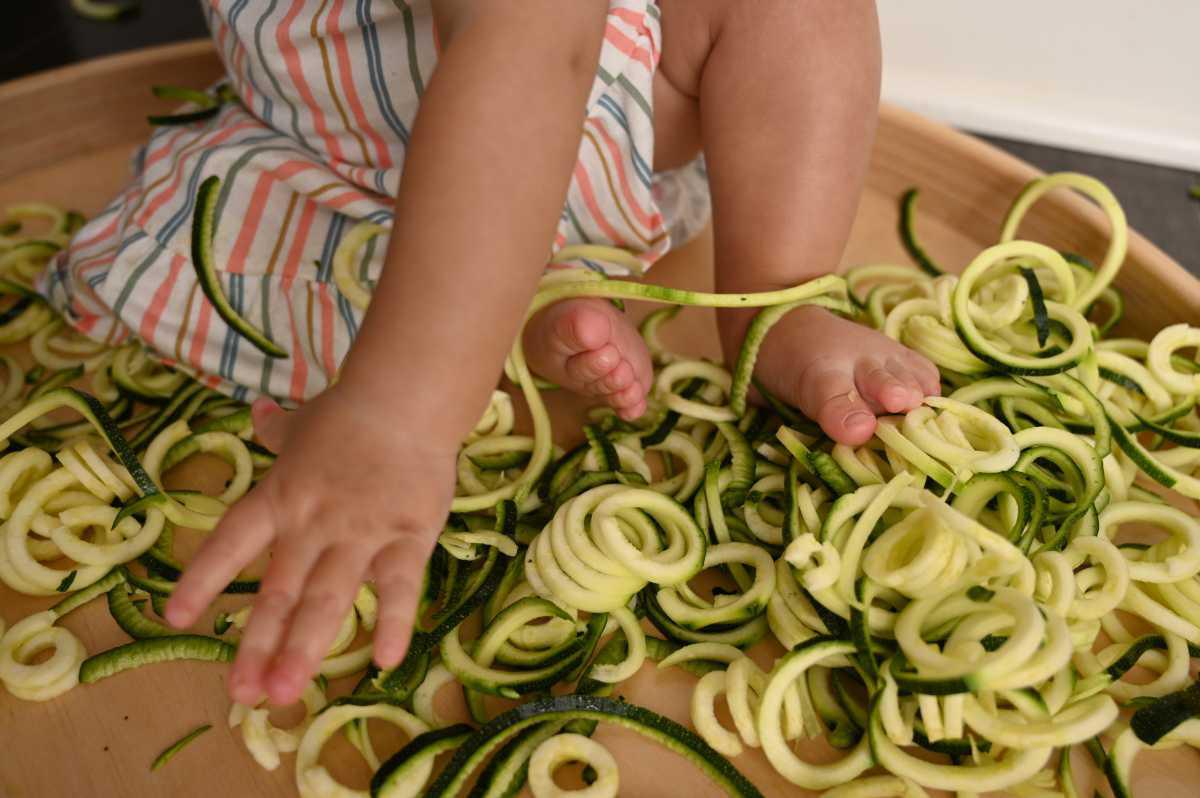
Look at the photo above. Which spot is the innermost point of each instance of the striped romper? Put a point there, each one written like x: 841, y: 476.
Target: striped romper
x: 317, y: 146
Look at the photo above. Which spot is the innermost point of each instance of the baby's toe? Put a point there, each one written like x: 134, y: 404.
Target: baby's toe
x: 890, y: 389
x: 911, y: 378
x: 580, y: 327
x: 926, y: 373
x: 629, y: 402
x: 633, y: 412
x: 587, y: 368
x: 633, y: 348
x: 617, y: 379
x: 833, y: 400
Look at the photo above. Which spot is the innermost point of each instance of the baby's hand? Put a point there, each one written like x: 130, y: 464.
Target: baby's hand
x: 355, y: 494
x: 842, y: 374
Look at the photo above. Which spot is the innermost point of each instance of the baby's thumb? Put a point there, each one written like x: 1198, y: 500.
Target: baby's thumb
x: 271, y: 423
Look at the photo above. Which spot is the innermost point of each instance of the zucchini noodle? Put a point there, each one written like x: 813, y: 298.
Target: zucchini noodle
x: 50, y: 678
x: 586, y: 557
x: 961, y: 600
x: 266, y: 741
x: 344, y: 276
x: 438, y: 677
x: 314, y: 781
x: 563, y: 748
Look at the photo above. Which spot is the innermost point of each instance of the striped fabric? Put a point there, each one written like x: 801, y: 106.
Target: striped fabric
x: 318, y: 146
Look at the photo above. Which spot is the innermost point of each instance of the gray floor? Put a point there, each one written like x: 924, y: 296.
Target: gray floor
x: 48, y: 35
x: 43, y: 34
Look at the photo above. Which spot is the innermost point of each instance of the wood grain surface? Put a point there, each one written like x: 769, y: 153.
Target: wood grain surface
x: 66, y: 137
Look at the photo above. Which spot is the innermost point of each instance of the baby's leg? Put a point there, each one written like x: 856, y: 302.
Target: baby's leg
x: 587, y: 345
x: 788, y: 93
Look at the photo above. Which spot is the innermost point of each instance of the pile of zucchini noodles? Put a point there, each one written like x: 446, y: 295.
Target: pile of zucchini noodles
x: 959, y: 600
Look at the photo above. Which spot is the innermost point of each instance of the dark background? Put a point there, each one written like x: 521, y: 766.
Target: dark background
x: 49, y: 34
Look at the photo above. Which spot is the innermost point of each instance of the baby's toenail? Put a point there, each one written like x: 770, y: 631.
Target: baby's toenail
x: 856, y: 419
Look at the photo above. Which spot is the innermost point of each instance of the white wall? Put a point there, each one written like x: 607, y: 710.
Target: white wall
x: 1119, y: 77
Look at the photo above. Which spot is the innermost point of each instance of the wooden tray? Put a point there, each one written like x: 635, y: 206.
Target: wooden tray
x: 66, y: 136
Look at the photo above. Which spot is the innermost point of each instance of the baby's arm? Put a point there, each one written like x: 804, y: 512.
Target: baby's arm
x: 366, y: 471
x: 788, y: 101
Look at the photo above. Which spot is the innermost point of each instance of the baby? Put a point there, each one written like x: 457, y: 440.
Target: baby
x: 545, y: 123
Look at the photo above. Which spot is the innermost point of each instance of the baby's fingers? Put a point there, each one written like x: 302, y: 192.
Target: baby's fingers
x: 397, y: 571
x: 327, y: 598
x: 281, y: 588
x: 244, y: 531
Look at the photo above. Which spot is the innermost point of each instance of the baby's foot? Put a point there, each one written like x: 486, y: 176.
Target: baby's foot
x: 589, y: 347
x: 842, y: 374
